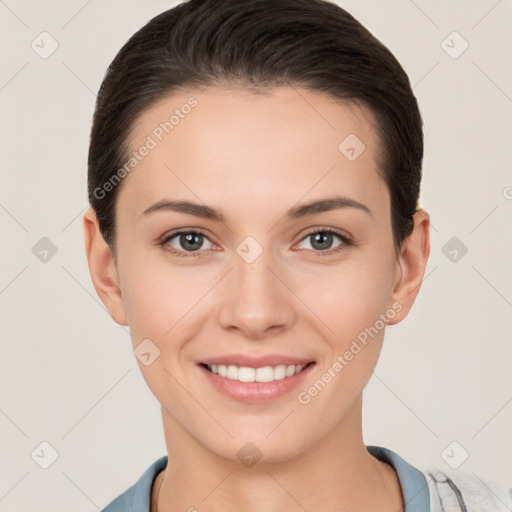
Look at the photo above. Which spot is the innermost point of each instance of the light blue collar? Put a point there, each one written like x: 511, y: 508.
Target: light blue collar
x: 414, y: 485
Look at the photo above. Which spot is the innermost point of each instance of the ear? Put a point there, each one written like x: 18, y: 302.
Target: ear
x: 102, y: 268
x: 411, y: 264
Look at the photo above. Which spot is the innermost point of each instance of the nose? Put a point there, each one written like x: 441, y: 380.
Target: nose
x: 256, y: 298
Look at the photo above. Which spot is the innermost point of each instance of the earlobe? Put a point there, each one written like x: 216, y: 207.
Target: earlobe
x: 412, y: 262
x: 102, y: 268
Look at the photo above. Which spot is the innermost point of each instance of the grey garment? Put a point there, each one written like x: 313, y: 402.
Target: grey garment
x: 456, y: 491
x: 462, y: 493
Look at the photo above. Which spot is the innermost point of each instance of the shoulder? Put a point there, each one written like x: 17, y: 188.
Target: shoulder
x: 444, y: 490
x: 137, y: 498
x: 452, y: 491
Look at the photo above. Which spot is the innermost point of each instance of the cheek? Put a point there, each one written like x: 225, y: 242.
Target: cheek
x: 160, y: 308
x: 348, y: 298
x: 352, y: 308
x: 155, y: 300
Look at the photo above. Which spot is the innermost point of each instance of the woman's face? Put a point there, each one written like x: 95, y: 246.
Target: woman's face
x: 264, y: 278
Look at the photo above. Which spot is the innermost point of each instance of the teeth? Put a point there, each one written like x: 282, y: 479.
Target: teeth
x: 280, y: 372
x: 264, y: 374
x: 246, y: 374
x: 232, y: 372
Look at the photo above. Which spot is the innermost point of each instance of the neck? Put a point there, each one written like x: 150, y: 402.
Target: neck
x: 337, y: 474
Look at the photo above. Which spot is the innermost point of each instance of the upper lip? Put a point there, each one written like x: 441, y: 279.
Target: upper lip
x: 255, y: 362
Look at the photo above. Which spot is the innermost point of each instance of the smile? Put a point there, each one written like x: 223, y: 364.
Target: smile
x: 262, y: 374
x: 255, y: 385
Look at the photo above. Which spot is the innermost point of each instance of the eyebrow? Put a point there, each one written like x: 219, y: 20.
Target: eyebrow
x: 204, y: 211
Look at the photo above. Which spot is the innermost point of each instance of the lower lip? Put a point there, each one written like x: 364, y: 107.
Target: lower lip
x: 255, y: 392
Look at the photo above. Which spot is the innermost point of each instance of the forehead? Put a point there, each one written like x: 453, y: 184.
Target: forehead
x: 286, y: 143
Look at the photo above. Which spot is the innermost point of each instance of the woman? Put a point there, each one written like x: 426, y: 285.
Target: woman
x: 254, y: 175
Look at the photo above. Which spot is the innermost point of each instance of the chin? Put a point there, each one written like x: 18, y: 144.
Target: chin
x: 256, y: 449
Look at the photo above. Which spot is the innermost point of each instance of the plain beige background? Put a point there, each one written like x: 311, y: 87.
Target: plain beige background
x: 69, y: 377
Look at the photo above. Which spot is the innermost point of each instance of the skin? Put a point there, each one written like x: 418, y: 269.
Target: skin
x: 254, y: 156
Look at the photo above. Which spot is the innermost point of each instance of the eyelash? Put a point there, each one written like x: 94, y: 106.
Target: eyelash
x: 194, y: 254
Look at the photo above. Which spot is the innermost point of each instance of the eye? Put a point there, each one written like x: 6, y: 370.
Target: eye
x: 322, y: 240
x: 189, y: 243
x: 186, y: 242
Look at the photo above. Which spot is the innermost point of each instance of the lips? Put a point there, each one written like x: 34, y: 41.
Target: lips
x: 255, y: 384
x: 255, y: 379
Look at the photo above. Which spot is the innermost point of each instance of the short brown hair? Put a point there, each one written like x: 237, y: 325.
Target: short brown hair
x: 260, y: 44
